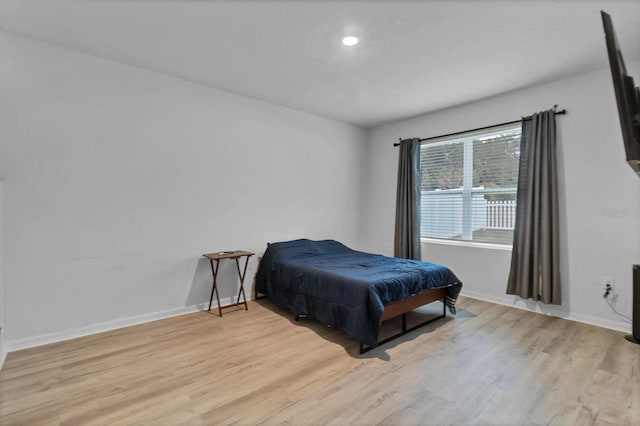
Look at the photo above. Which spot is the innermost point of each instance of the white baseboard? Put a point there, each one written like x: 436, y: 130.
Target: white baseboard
x: 45, y: 339
x: 520, y: 304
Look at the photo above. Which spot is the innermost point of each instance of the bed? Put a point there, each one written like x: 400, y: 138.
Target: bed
x: 351, y: 290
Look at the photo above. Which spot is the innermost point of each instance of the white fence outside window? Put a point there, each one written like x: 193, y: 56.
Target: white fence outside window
x: 444, y: 213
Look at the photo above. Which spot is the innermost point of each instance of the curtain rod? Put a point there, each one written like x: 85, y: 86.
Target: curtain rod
x: 561, y: 112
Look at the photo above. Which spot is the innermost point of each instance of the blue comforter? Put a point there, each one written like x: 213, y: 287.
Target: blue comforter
x: 345, y: 288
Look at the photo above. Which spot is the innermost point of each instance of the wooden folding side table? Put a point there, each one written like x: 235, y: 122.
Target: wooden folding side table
x: 236, y: 255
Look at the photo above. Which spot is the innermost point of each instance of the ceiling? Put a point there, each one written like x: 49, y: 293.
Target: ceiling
x: 413, y: 57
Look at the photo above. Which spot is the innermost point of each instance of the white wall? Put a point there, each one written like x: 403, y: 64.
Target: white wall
x: 118, y: 179
x: 599, y: 196
x: 3, y: 352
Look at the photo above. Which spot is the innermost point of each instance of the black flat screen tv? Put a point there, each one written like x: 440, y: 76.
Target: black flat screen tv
x: 627, y: 96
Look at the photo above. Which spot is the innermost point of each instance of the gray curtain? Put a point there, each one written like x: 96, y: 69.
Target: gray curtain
x: 535, y: 264
x: 407, y: 236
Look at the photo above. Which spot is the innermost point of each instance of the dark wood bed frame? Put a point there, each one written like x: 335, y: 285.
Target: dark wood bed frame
x: 402, y: 307
x: 399, y: 308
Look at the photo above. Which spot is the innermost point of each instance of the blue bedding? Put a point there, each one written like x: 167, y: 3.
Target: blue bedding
x: 345, y: 288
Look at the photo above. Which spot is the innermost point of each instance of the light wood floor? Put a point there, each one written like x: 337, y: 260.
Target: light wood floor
x: 488, y: 365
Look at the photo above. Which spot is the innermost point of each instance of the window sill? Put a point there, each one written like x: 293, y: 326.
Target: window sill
x: 474, y: 244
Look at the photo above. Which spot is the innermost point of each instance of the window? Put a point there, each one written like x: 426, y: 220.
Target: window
x: 469, y: 184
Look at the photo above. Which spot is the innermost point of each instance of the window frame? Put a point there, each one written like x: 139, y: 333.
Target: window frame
x: 467, y: 190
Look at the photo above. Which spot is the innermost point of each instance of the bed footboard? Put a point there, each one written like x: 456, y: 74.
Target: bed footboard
x: 401, y: 307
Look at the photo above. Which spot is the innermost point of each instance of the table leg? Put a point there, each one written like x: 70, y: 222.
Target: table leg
x: 242, y: 275
x: 214, y: 289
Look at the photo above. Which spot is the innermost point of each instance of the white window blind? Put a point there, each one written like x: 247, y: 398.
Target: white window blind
x: 469, y: 184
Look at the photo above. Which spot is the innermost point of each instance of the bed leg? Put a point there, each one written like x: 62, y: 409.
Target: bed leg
x: 406, y: 330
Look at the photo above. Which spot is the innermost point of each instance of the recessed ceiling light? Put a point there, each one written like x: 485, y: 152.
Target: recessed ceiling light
x: 350, y: 41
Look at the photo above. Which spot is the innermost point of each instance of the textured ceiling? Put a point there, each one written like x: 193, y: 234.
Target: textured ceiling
x: 413, y: 57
